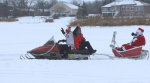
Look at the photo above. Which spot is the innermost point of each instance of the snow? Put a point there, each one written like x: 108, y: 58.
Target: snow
x: 126, y: 2
x: 19, y: 37
x: 94, y: 14
x: 71, y: 5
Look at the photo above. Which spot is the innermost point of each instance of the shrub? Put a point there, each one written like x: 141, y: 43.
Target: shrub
x: 49, y: 20
x: 111, y: 21
x: 8, y: 20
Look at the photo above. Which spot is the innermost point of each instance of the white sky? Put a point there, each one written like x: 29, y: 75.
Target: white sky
x: 80, y: 0
x: 91, y: 0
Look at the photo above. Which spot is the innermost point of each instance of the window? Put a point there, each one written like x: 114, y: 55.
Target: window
x: 105, y: 9
x: 127, y: 14
x: 127, y: 8
x: 138, y: 8
x: 68, y: 11
x: 132, y: 7
x: 123, y: 8
x: 132, y: 14
x: 139, y: 13
x: 115, y: 8
x: 123, y: 14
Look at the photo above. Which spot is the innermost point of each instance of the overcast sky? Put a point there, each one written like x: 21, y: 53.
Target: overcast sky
x: 80, y: 0
x: 88, y: 0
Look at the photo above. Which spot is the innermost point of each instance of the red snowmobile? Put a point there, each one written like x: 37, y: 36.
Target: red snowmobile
x: 51, y: 50
x: 134, y: 53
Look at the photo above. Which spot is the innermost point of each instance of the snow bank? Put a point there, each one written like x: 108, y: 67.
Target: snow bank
x: 19, y: 37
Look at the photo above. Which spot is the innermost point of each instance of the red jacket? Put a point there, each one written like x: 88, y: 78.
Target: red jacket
x: 138, y: 42
x: 77, y: 40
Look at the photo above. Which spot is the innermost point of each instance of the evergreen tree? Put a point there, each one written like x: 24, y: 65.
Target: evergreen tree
x: 4, y: 9
x: 82, y: 11
x: 105, y: 2
x: 146, y: 1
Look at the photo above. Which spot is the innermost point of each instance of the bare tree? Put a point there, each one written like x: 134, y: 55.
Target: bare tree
x: 22, y: 4
x: 98, y: 5
x: 60, y: 9
x: 45, y: 4
x: 52, y: 3
x: 41, y: 5
x: 15, y: 3
x: 76, y: 2
x: 30, y: 4
x: 94, y: 7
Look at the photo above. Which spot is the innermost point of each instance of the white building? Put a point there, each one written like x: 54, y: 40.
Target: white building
x: 65, y: 9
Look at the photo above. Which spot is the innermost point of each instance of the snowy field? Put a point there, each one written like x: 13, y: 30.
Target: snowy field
x: 19, y: 37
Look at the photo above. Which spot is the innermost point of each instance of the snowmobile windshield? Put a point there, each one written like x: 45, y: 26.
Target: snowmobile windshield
x: 51, y: 41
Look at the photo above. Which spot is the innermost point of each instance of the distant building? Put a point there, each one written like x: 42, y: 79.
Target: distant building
x: 64, y: 9
x: 126, y: 8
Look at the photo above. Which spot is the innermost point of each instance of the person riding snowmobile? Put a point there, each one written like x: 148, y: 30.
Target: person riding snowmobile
x: 80, y: 42
x: 69, y: 41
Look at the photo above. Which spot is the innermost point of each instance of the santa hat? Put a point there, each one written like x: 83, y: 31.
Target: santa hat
x: 140, y: 31
x: 68, y: 29
x: 79, y: 29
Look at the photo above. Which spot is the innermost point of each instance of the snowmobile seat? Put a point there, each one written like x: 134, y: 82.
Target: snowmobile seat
x: 84, y: 51
x: 75, y: 51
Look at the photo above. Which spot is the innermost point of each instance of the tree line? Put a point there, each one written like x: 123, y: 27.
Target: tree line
x: 89, y: 7
x: 17, y: 5
x: 146, y: 1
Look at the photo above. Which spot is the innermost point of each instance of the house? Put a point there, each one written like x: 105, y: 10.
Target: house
x: 64, y: 9
x: 126, y: 8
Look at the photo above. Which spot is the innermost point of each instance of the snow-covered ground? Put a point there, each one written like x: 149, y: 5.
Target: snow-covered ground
x: 19, y: 37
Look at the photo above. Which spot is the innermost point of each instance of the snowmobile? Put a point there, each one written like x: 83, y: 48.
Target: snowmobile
x: 51, y: 50
x: 134, y: 53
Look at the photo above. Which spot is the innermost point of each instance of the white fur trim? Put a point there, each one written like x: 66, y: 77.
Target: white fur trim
x: 133, y: 40
x: 123, y: 48
x: 139, y: 31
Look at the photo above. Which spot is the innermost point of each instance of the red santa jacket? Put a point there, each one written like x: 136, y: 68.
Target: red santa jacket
x: 140, y: 41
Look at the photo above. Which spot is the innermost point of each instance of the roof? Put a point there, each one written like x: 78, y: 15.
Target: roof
x: 71, y: 5
x: 124, y: 2
x: 67, y: 4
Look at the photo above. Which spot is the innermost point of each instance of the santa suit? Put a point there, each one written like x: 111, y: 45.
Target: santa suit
x: 70, y: 40
x: 137, y: 41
